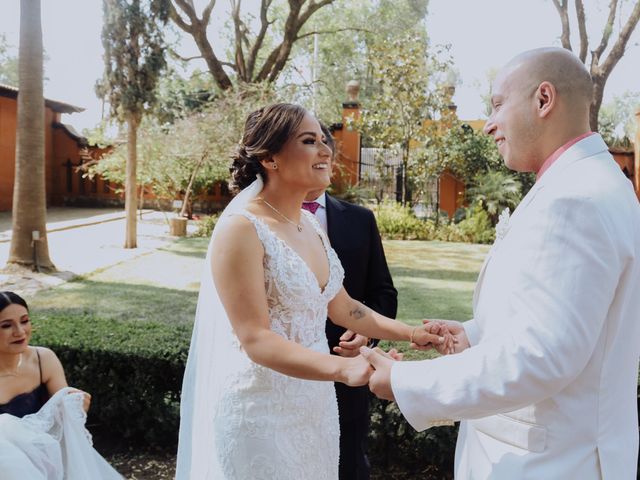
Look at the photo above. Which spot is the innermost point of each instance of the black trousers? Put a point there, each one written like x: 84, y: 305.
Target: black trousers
x: 354, y: 429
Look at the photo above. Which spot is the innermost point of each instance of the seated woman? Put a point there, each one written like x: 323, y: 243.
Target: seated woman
x: 42, y: 420
x: 29, y: 376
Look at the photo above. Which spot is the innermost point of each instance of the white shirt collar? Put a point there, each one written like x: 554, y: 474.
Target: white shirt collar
x: 322, y: 200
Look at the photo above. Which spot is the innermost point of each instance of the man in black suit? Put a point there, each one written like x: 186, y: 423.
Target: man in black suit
x: 354, y: 235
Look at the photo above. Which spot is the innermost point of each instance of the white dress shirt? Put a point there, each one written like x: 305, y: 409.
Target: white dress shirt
x: 321, y: 213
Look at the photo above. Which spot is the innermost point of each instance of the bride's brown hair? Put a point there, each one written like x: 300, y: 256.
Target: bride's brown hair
x: 265, y: 132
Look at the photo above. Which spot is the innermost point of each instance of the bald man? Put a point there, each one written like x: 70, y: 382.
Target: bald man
x: 544, y: 376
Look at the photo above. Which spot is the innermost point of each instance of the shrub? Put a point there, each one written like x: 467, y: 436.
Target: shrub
x: 396, y: 222
x: 133, y: 371
x: 395, y: 446
x: 399, y: 223
x: 477, y: 227
x: 206, y: 226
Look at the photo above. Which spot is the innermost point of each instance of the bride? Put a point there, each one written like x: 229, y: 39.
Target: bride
x: 257, y: 398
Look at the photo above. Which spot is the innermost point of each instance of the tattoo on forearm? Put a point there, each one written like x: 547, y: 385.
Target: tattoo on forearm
x: 358, y: 312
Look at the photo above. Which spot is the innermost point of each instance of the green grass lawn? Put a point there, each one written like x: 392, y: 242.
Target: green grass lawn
x: 434, y: 280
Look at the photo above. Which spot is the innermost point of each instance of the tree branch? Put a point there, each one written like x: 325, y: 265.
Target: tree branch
x: 323, y: 32
x: 176, y: 55
x: 178, y: 20
x: 257, y: 45
x: 582, y: 28
x: 606, y: 33
x: 565, y: 38
x: 239, y: 35
x: 618, y: 48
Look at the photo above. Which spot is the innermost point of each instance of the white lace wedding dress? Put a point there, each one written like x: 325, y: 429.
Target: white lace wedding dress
x: 269, y: 425
x: 266, y: 425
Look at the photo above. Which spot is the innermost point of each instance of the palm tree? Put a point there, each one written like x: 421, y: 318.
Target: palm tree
x: 495, y: 190
x: 29, y: 195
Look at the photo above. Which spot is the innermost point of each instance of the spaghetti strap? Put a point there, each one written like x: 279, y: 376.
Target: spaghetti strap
x: 39, y: 364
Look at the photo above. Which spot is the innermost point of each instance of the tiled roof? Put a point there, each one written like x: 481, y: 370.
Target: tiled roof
x: 56, y: 106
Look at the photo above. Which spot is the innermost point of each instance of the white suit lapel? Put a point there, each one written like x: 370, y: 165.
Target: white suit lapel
x: 591, y: 145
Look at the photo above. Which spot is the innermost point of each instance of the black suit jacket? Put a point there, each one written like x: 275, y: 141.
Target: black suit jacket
x: 354, y: 235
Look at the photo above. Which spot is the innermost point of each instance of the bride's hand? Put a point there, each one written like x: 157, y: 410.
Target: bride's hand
x: 433, y: 335
x: 452, y: 329
x: 355, y: 371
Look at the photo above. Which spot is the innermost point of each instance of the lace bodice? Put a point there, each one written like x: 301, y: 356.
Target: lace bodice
x: 297, y: 304
x: 269, y: 425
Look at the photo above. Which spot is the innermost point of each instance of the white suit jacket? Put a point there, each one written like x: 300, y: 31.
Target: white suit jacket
x: 548, y: 388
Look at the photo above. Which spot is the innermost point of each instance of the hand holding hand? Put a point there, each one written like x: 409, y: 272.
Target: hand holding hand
x: 432, y: 335
x: 380, y: 380
x: 454, y: 329
x: 350, y: 343
x: 356, y: 371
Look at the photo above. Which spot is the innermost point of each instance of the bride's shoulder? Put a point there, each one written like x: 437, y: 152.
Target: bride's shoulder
x: 237, y: 231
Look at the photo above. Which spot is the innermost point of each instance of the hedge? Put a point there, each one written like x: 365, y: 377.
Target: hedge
x: 133, y: 371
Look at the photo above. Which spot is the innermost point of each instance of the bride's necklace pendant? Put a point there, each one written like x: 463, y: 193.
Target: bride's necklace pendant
x: 297, y: 225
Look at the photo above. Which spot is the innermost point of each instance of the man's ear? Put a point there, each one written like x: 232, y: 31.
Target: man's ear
x: 546, y: 98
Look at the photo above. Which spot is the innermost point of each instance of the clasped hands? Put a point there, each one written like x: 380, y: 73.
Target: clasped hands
x: 374, y: 365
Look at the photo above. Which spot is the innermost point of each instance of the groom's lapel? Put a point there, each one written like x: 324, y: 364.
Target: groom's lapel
x: 585, y: 148
x: 513, y: 219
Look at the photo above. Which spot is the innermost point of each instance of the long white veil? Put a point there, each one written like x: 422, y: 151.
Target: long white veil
x: 210, y: 360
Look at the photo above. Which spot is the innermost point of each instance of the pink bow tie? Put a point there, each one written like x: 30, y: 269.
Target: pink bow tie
x: 311, y: 206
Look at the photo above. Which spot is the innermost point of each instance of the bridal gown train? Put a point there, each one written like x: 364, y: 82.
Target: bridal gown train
x: 268, y: 425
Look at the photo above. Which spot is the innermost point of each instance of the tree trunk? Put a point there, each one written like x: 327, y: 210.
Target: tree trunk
x: 29, y: 194
x: 131, y: 198
x: 187, y: 194
x: 596, y: 101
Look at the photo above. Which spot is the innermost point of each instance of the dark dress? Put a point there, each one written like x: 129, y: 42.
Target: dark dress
x: 27, y: 403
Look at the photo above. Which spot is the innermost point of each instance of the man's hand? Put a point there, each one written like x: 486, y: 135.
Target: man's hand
x: 380, y: 379
x: 453, y: 328
x: 433, y: 335
x: 350, y: 343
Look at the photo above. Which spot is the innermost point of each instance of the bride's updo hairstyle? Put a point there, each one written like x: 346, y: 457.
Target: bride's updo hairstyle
x: 265, y: 132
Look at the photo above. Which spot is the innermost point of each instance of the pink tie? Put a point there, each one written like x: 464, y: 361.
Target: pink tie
x: 311, y: 206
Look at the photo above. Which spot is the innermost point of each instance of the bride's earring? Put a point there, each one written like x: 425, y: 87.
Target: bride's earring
x: 275, y: 166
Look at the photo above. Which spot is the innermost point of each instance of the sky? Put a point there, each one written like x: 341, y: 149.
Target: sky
x: 483, y: 35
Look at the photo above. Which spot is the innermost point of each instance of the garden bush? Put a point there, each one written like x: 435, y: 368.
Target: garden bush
x: 206, y: 226
x: 396, y: 222
x: 394, y: 446
x: 133, y: 371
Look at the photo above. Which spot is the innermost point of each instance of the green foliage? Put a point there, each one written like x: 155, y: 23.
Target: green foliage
x: 399, y: 223
x: 133, y: 55
x: 394, y: 445
x: 494, y: 191
x: 8, y: 63
x: 409, y: 80
x: 475, y: 228
x: 194, y: 150
x: 178, y: 97
x: 464, y: 151
x: 345, y: 38
x: 616, y: 120
x: 133, y: 371
x: 206, y: 226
